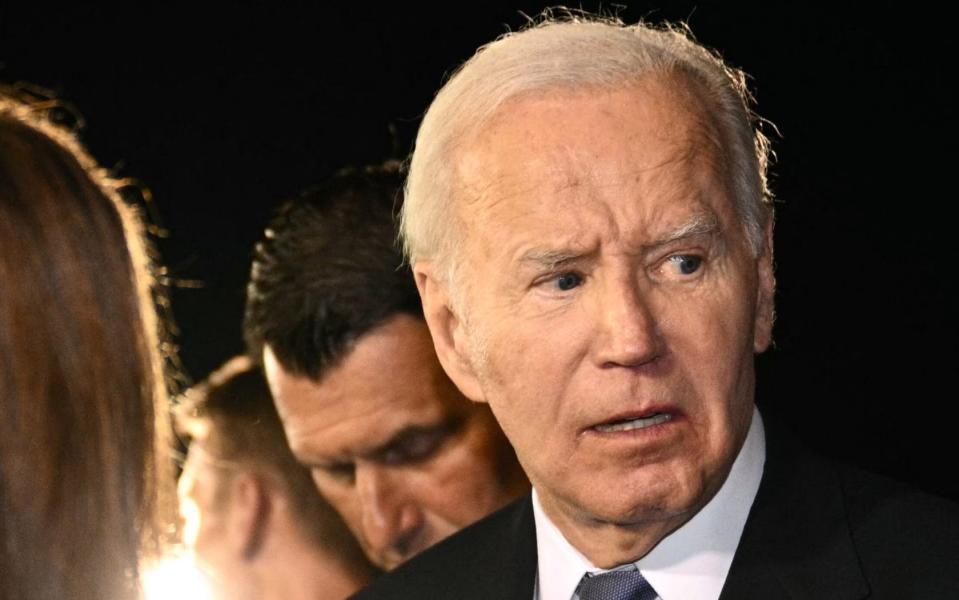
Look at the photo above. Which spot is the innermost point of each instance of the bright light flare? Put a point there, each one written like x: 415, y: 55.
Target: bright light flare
x: 176, y: 577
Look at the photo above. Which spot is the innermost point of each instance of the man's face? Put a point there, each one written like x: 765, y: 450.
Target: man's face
x: 393, y: 445
x: 612, y: 302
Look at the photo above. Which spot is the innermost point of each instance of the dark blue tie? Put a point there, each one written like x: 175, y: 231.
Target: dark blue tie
x: 616, y: 585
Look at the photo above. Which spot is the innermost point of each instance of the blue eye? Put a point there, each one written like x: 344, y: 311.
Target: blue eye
x: 687, y: 263
x: 568, y: 281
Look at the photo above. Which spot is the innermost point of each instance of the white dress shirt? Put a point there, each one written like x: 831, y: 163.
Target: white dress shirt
x: 689, y: 564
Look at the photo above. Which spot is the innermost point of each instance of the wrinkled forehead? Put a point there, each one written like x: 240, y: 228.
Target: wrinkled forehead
x: 660, y: 131
x: 390, y: 382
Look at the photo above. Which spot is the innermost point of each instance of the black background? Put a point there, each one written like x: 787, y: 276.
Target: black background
x: 224, y: 112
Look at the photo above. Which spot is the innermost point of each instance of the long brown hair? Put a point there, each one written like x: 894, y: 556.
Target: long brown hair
x: 85, y: 471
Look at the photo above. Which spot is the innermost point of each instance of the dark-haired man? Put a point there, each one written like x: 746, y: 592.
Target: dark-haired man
x: 403, y: 456
x: 253, y: 519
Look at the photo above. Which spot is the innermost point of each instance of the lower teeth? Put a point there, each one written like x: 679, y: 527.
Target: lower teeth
x: 634, y: 424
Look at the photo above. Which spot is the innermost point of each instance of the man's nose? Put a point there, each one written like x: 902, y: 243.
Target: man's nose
x: 628, y: 333
x: 391, y: 519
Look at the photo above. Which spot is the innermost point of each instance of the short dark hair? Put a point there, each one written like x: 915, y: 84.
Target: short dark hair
x: 232, y: 413
x: 328, y: 270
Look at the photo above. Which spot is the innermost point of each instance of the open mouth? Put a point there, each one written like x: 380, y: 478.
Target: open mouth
x: 634, y: 424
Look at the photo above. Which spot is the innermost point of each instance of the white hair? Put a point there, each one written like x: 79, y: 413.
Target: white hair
x: 574, y: 52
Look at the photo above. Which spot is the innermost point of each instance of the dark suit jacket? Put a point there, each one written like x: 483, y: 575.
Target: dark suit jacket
x: 816, y: 530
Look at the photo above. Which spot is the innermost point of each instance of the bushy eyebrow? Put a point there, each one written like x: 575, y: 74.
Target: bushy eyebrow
x: 700, y: 224
x: 703, y: 223
x: 551, y: 259
x: 396, y: 440
x: 407, y: 433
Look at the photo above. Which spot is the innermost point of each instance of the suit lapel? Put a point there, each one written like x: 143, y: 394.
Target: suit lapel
x: 517, y: 561
x: 493, y: 558
x: 497, y: 560
x: 796, y: 543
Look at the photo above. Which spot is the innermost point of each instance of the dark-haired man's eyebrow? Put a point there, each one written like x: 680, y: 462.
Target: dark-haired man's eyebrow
x: 402, y: 442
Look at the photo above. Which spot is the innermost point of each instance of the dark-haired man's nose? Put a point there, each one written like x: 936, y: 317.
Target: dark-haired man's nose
x: 391, y: 521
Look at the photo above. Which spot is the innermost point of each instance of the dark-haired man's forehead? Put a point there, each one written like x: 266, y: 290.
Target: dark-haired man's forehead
x: 389, y: 382
x: 377, y: 447
x: 364, y: 426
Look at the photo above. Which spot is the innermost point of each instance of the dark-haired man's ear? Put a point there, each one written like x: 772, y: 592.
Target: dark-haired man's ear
x: 446, y: 327
x: 249, y: 514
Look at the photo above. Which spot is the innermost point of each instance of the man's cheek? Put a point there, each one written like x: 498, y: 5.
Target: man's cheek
x: 342, y: 502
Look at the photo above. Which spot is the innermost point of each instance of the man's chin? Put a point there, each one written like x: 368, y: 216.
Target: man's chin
x: 394, y: 559
x: 385, y: 564
x: 638, y: 515
x: 642, y: 508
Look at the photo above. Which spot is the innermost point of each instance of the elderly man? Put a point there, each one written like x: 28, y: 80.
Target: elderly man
x: 252, y: 517
x: 590, y: 231
x: 404, y: 457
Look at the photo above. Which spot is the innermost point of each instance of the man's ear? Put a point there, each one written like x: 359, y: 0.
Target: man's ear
x: 766, y: 291
x: 249, y: 514
x: 447, y: 329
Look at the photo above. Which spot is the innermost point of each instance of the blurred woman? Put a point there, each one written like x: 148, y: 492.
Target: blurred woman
x: 85, y: 470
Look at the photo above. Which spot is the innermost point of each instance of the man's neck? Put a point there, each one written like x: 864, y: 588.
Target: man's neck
x: 291, y: 567
x: 303, y: 575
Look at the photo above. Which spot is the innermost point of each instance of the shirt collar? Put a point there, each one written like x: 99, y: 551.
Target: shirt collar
x: 691, y: 562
